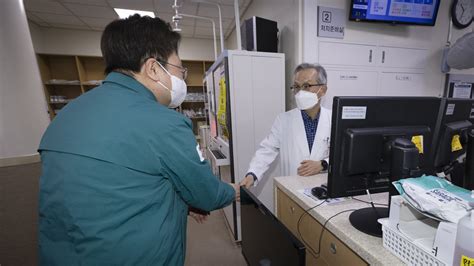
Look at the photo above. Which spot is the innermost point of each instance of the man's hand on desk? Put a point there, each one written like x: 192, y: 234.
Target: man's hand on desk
x: 308, y: 168
x: 247, y: 182
x: 237, y: 190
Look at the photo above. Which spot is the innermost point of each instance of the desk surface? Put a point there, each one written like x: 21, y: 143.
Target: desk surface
x: 367, y: 247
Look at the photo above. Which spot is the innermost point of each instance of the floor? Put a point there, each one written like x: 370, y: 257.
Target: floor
x: 211, y: 243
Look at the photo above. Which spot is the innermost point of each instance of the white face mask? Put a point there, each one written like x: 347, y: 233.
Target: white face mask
x: 306, y: 100
x: 178, y: 91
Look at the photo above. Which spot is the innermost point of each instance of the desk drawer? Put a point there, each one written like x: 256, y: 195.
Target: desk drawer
x: 337, y: 253
x: 333, y: 251
x: 289, y: 213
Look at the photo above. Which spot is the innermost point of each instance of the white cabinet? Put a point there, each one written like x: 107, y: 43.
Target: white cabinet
x: 373, y: 70
x: 247, y: 101
x: 349, y: 82
x: 407, y: 58
x: 348, y: 54
x: 401, y: 84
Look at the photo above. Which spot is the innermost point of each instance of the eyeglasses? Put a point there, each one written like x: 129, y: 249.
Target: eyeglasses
x: 306, y: 86
x: 183, y: 70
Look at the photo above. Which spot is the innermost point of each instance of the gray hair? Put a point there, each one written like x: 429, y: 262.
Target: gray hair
x: 322, y: 75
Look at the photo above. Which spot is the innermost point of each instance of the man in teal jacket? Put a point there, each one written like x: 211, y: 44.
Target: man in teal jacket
x: 120, y: 168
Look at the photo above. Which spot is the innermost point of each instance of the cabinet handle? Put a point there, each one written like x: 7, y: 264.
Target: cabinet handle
x: 292, y: 209
x: 383, y: 57
x: 333, y: 248
x: 370, y: 56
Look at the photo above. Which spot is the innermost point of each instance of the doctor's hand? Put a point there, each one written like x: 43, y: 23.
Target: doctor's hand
x: 308, y: 168
x: 247, y: 182
x: 237, y: 190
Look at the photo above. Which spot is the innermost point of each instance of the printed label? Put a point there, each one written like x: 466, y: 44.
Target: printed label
x: 418, y: 141
x: 466, y: 261
x: 354, y: 112
x: 450, y: 109
x: 456, y: 143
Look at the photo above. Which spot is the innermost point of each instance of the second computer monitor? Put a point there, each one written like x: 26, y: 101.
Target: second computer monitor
x: 454, y: 125
x: 455, y: 122
x: 363, y: 129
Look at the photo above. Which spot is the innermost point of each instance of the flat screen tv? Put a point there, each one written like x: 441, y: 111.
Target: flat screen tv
x: 415, y: 12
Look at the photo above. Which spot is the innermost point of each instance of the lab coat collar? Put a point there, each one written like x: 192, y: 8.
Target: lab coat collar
x: 130, y: 83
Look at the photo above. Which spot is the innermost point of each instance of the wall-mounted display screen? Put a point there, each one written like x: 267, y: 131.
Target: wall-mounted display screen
x: 418, y: 12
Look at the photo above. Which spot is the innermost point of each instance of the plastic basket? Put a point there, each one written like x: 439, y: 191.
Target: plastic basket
x: 405, y: 250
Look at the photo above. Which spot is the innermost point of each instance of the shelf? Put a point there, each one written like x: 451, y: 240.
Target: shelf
x: 83, y: 70
x: 61, y: 84
x: 195, y: 85
x: 64, y: 102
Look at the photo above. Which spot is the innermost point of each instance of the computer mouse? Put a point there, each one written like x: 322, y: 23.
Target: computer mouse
x: 320, y: 192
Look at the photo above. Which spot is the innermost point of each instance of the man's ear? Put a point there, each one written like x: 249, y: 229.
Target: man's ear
x: 151, y: 69
x: 324, y: 89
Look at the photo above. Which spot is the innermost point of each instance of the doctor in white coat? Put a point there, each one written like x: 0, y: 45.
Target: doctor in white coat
x: 300, y: 136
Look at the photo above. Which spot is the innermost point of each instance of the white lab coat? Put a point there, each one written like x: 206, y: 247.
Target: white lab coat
x: 288, y: 137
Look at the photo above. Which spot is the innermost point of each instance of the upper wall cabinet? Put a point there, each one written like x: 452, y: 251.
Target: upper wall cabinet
x: 366, y: 55
x: 347, y: 54
x: 397, y: 57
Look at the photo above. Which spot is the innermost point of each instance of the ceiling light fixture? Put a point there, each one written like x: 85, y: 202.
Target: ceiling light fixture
x: 125, y: 13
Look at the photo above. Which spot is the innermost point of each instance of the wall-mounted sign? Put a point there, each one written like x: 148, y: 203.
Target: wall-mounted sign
x: 331, y: 22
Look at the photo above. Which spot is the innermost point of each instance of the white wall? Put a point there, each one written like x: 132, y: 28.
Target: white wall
x: 23, y: 112
x: 431, y: 38
x: 83, y: 42
x: 286, y: 14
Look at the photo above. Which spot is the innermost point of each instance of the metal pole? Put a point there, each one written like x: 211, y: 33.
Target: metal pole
x: 213, y: 29
x: 237, y: 24
x: 221, y: 33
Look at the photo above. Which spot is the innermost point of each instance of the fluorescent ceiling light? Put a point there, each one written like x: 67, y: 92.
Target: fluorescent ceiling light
x: 125, y: 13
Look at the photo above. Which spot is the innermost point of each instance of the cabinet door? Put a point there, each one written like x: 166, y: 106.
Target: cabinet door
x: 346, y: 54
x: 289, y: 214
x: 396, y: 57
x: 402, y: 84
x: 331, y: 252
x: 335, y: 252
x: 346, y: 82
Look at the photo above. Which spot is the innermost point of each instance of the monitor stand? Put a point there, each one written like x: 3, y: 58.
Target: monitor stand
x: 365, y: 220
x: 404, y: 163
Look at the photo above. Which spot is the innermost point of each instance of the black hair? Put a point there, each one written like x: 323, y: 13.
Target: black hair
x: 127, y: 43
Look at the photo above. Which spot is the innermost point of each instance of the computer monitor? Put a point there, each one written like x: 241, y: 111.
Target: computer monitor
x: 456, y: 121
x: 364, y: 130
x: 265, y: 240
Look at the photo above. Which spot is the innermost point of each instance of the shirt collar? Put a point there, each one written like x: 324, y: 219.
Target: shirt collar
x: 308, y: 118
x: 130, y: 83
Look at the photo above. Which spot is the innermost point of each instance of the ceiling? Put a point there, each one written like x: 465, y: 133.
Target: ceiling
x: 96, y: 14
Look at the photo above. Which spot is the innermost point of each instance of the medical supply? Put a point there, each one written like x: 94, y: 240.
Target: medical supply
x: 411, y: 236
x: 464, y: 250
x: 436, y: 197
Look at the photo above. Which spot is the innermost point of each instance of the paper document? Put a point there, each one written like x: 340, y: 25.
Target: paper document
x: 462, y: 90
